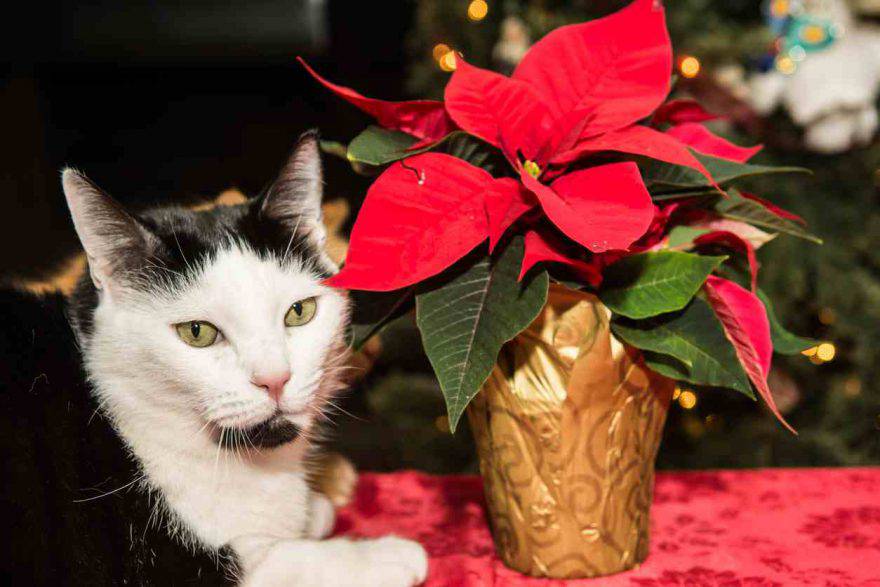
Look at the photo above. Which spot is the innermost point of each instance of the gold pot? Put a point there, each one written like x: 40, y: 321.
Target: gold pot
x: 567, y: 428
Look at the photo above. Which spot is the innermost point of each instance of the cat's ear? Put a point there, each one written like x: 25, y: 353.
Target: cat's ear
x: 114, y: 241
x: 294, y: 199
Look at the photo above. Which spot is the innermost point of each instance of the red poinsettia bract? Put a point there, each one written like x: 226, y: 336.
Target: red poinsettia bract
x: 424, y: 119
x: 746, y: 325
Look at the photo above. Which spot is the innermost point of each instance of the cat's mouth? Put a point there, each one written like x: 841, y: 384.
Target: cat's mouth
x: 273, y: 432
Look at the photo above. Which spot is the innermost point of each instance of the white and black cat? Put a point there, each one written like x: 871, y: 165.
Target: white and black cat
x: 211, y: 348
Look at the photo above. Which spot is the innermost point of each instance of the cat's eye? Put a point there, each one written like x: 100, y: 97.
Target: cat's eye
x: 197, y: 333
x: 301, y: 312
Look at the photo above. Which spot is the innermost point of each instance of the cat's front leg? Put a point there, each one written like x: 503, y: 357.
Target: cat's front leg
x: 322, y: 516
x: 338, y: 562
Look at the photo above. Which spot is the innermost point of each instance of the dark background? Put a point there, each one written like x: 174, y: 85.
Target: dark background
x: 156, y: 103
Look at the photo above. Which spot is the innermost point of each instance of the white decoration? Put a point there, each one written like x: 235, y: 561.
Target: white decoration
x: 832, y: 93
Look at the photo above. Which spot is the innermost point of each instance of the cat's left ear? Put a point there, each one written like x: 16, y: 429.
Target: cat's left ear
x: 294, y: 199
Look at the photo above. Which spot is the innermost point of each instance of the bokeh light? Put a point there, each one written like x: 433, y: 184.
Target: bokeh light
x: 440, y: 49
x: 689, y: 67
x: 477, y: 10
x: 687, y: 400
x: 447, y: 62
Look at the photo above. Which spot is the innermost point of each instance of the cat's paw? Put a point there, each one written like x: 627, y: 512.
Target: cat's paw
x: 396, y: 562
x: 322, y: 516
x: 335, y: 477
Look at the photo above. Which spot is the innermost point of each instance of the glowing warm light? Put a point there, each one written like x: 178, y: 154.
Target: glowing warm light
x: 689, y: 67
x: 816, y: 360
x: 786, y: 64
x: 810, y: 351
x: 813, y: 34
x: 826, y: 352
x: 687, y: 400
x: 676, y: 393
x: 852, y: 387
x: 477, y: 10
x: 447, y: 62
x: 827, y: 316
x: 779, y: 8
x: 440, y: 49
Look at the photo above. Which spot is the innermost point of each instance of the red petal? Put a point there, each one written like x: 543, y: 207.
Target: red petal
x: 616, y: 68
x: 705, y: 141
x: 637, y: 140
x: 781, y: 212
x: 680, y: 112
x: 506, y: 201
x: 744, y: 319
x: 544, y: 247
x: 733, y: 241
x: 424, y: 119
x: 602, y: 208
x: 503, y: 112
x: 410, y: 229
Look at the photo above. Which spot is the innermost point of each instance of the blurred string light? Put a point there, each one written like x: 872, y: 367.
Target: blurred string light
x: 689, y: 66
x: 477, y: 10
x: 852, y: 387
x: 444, y: 55
x: 440, y: 49
x: 447, y: 62
x: 687, y: 399
x: 827, y: 316
x: 823, y: 353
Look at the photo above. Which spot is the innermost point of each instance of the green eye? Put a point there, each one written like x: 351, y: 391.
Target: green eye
x: 197, y: 333
x: 301, y: 312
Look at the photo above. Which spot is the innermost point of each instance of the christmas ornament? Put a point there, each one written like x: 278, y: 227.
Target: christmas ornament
x: 824, y: 71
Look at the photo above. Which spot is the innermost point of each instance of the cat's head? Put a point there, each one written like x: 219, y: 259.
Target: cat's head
x: 216, y: 318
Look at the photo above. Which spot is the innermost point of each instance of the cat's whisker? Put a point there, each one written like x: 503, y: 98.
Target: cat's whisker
x: 118, y: 489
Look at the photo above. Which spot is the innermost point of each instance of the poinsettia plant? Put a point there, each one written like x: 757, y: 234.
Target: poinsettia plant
x: 577, y: 169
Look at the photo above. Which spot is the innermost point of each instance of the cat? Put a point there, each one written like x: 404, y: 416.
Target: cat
x: 211, y: 351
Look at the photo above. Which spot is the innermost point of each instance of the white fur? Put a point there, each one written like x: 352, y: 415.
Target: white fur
x: 167, y: 399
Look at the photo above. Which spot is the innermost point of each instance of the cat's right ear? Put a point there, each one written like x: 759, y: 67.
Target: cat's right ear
x: 114, y: 241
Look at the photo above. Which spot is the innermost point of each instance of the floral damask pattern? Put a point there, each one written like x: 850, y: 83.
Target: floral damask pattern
x: 815, y: 527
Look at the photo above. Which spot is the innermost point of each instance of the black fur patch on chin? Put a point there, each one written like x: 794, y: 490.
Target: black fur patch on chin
x: 275, y: 431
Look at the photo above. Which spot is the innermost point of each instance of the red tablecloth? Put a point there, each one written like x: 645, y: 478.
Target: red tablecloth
x: 728, y: 528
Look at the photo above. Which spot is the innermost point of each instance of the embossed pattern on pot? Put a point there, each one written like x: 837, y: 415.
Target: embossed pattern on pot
x: 567, y: 428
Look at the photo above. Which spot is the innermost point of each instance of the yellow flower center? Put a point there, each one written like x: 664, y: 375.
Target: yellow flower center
x: 532, y: 169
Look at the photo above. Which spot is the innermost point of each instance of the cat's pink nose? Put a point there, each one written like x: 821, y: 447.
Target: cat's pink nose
x: 273, y: 383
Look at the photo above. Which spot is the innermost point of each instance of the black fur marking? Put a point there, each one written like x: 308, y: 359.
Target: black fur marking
x: 186, y: 238
x: 71, y: 513
x: 274, y: 432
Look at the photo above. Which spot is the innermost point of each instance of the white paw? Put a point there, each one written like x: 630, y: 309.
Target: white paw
x: 395, y: 562
x: 322, y: 516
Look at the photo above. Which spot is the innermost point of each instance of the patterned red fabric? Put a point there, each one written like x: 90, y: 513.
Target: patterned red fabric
x: 764, y: 528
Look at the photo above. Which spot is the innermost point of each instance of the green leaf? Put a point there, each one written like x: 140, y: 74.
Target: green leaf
x: 334, y: 148
x: 737, y: 207
x: 469, y: 148
x: 688, y: 345
x: 784, y: 342
x: 372, y: 311
x: 681, y: 236
x: 379, y: 146
x: 466, y: 320
x: 647, y: 284
x: 660, y: 176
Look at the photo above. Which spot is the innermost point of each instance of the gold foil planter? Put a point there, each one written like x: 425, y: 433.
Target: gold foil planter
x: 567, y: 429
